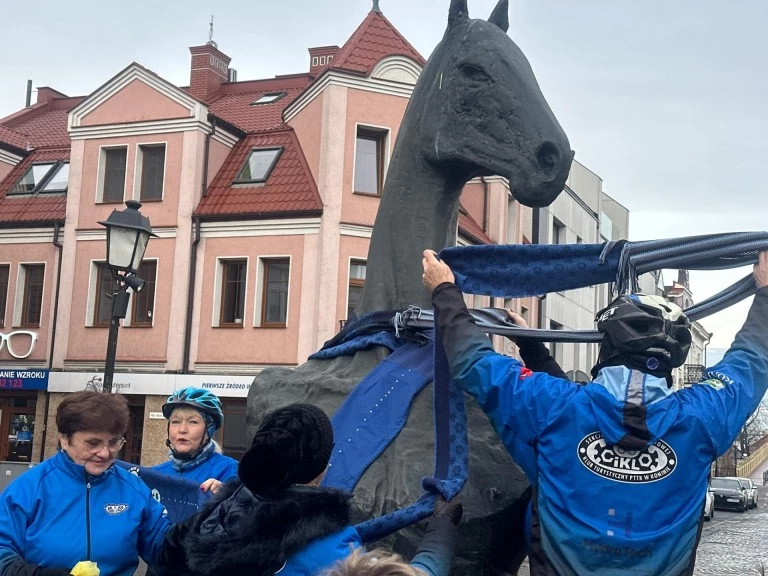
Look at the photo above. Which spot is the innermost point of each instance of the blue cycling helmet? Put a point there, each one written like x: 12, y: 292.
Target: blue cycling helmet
x: 200, y: 399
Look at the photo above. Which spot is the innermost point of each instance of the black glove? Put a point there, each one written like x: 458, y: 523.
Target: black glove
x: 452, y: 510
x: 20, y: 567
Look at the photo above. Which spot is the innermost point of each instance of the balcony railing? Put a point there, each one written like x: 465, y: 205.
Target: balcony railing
x: 694, y: 373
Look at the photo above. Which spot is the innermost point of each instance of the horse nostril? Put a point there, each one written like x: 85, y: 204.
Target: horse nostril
x: 548, y: 156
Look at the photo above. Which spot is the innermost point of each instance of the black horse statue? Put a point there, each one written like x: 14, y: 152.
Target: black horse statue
x: 476, y: 110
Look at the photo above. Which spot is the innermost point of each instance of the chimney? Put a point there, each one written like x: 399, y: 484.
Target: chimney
x: 46, y: 94
x: 320, y: 57
x: 210, y: 69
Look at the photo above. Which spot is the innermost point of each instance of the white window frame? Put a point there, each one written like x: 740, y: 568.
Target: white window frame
x: 349, y: 276
x: 258, y: 301
x: 21, y: 280
x: 315, y: 60
x: 216, y: 315
x: 139, y: 168
x: 102, y: 166
x: 387, y: 154
x: 10, y: 269
x: 129, y: 314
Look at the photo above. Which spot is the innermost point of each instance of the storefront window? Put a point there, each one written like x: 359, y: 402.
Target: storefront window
x: 17, y: 427
x: 231, y: 436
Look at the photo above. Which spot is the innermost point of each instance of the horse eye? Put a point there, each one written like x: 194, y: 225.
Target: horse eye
x: 474, y: 73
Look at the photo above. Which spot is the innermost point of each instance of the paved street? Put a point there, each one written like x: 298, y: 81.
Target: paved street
x: 731, y: 544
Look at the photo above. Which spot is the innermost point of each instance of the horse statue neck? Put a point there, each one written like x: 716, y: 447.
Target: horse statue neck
x: 418, y: 210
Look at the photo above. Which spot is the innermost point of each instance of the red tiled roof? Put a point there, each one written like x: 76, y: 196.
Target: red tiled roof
x: 237, y: 110
x: 471, y: 229
x: 290, y: 188
x: 375, y: 39
x: 32, y: 208
x: 48, y: 129
x: 15, y: 139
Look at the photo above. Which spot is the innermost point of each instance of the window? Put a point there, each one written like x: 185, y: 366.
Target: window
x: 105, y: 287
x: 369, y: 160
x: 525, y: 314
x: 268, y: 98
x: 314, y: 60
x: 4, y: 271
x: 356, y: 284
x: 322, y: 60
x: 556, y: 348
x: 259, y: 166
x: 152, y: 169
x: 232, y: 434
x: 234, y: 273
x: 32, y: 304
x: 144, y: 301
x: 558, y: 232
x: 114, y: 174
x: 274, y: 305
x: 49, y: 177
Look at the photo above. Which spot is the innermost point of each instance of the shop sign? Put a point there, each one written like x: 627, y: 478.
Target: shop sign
x: 151, y: 384
x: 31, y: 379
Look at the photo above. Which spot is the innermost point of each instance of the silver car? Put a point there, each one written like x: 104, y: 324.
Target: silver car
x: 751, y: 491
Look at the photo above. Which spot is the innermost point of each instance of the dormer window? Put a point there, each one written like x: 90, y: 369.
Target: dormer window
x: 259, y: 166
x: 43, y: 178
x: 268, y: 98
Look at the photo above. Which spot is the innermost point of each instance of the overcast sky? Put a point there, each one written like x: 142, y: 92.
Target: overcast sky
x: 666, y: 101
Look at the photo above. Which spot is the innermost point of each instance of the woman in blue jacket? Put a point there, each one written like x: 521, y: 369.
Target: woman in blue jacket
x: 194, y: 415
x: 77, y: 506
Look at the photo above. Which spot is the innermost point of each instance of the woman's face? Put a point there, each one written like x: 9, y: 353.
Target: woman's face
x: 186, y: 430
x: 96, y: 451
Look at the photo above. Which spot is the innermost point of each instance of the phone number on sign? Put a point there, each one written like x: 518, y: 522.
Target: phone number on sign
x: 11, y: 383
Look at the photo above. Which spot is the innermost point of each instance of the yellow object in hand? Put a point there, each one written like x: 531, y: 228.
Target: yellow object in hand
x: 85, y: 568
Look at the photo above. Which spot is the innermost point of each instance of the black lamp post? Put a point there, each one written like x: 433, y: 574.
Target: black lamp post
x: 128, y: 233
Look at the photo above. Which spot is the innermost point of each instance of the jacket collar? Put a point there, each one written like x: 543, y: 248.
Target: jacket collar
x: 619, y: 381
x: 63, y: 462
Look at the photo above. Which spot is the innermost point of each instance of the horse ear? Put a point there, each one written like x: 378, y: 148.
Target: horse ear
x: 500, y: 15
x: 458, y: 12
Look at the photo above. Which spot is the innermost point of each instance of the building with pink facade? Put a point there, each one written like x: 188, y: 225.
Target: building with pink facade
x: 263, y: 195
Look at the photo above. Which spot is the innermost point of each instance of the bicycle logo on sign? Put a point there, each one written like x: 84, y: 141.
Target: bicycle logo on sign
x: 20, y: 343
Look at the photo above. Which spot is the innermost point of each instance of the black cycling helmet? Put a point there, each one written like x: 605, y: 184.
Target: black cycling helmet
x: 643, y: 332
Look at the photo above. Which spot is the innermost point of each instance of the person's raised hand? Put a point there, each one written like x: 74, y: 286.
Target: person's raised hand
x: 452, y: 510
x: 761, y: 270
x: 435, y: 271
x: 516, y: 318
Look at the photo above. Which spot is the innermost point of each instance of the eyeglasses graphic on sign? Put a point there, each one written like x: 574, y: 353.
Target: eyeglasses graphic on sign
x: 20, y: 343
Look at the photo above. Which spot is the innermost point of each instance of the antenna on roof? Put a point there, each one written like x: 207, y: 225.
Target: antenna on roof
x: 210, y: 34
x: 376, y: 6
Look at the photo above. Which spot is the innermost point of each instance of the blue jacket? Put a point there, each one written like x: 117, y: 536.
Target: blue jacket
x: 598, y: 508
x: 56, y: 515
x: 321, y: 554
x: 217, y: 466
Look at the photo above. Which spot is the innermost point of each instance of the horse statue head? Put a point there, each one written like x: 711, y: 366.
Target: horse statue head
x: 482, y: 112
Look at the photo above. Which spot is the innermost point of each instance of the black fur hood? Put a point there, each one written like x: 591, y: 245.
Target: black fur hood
x: 241, y: 533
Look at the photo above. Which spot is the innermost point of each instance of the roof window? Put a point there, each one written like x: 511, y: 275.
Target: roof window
x: 43, y: 178
x: 259, y: 166
x: 268, y: 98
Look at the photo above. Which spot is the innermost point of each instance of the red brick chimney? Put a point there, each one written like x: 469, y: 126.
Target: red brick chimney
x: 320, y: 57
x: 209, y: 70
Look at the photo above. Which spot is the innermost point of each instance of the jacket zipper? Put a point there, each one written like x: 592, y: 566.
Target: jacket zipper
x: 88, y: 519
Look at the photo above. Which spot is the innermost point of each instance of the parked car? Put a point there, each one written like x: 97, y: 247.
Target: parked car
x: 751, y: 488
x: 729, y: 494
x: 709, y: 505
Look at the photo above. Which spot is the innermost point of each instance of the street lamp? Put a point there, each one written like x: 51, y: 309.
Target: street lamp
x: 128, y: 233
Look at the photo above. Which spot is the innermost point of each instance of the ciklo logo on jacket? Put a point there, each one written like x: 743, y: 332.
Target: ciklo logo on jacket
x: 650, y: 464
x: 115, y: 509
